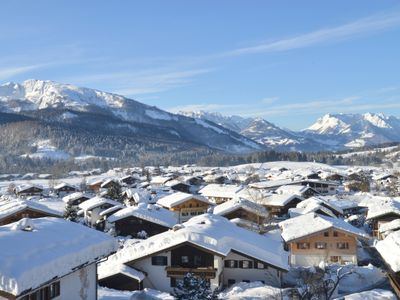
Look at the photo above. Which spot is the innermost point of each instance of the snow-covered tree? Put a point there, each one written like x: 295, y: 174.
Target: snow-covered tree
x: 194, y: 288
x: 71, y: 213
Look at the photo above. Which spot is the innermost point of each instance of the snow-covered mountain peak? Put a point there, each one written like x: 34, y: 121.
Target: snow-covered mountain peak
x: 378, y: 120
x: 39, y: 94
x: 329, y: 124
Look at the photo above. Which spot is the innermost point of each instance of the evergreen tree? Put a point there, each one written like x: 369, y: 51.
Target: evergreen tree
x: 194, y: 288
x: 71, y: 213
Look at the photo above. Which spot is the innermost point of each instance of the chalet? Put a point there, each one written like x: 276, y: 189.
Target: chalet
x: 321, y: 239
x: 92, y: 208
x: 51, y: 258
x: 179, y: 186
x: 316, y: 205
x: 207, y: 246
x: 129, y: 180
x: 321, y: 186
x: 143, y: 220
x: 109, y: 183
x: 158, y: 181
x: 385, y: 180
x: 389, y: 249
x: 244, y: 213
x: 383, y: 212
x: 95, y: 185
x: 219, y: 193
x: 185, y: 205
x: 303, y: 191
x: 193, y: 180
x: 12, y: 210
x: 278, y: 205
x: 28, y: 190
x: 63, y: 189
x: 387, y: 228
x: 75, y: 199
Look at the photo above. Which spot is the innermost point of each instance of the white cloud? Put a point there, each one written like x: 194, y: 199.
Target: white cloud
x: 357, y: 28
x: 9, y: 72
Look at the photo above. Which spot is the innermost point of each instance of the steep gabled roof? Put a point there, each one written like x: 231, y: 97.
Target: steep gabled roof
x: 12, y: 206
x: 220, y: 190
x: 389, y: 249
x: 151, y: 213
x: 213, y: 233
x: 53, y: 248
x: 175, y: 199
x: 95, y: 202
x: 239, y: 203
x: 310, y: 224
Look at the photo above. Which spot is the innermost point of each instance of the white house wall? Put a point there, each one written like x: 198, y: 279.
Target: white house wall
x: 79, y: 285
x: 270, y: 276
x: 156, y: 275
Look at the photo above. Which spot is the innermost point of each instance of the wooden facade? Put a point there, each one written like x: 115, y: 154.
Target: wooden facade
x: 245, y: 215
x: 380, y: 220
x: 132, y: 225
x: 25, y: 213
x: 333, y: 246
x: 189, y: 208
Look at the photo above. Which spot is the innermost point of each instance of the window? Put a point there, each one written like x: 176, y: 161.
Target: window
x: 335, y: 259
x: 326, y: 233
x: 231, y: 263
x: 185, y: 259
x: 46, y: 293
x: 246, y: 264
x: 303, y: 245
x: 54, y: 289
x: 231, y: 281
x: 320, y: 245
x: 260, y: 265
x: 159, y: 260
x: 185, y: 214
x: 342, y: 245
x: 197, y: 260
x: 335, y: 234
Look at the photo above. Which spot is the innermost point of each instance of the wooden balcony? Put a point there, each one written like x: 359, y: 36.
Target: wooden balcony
x: 208, y: 273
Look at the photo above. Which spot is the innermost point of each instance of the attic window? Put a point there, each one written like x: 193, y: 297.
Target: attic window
x: 335, y: 234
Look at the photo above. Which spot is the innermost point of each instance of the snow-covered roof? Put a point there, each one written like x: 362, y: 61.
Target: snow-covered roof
x: 158, y: 180
x: 211, y: 232
x: 152, y: 213
x: 10, y: 206
x: 24, y: 187
x: 315, y: 201
x: 54, y: 248
x: 278, y: 183
x: 220, y: 190
x: 390, y: 226
x: 389, y: 248
x: 293, y: 189
x: 383, y: 207
x: 62, y: 185
x: 280, y: 199
x: 95, y: 202
x: 74, y: 196
x: 108, y: 270
x: 111, y: 210
x: 309, y: 224
x: 179, y: 198
x: 239, y: 203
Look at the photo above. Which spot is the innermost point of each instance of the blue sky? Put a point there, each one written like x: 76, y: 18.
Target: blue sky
x: 287, y: 61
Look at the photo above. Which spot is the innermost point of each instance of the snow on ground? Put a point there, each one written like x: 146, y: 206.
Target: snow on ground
x: 146, y: 294
x: 376, y: 294
x: 250, y: 291
x: 46, y: 150
x: 363, y: 278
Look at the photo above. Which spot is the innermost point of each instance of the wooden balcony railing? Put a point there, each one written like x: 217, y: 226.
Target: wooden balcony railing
x: 206, y: 272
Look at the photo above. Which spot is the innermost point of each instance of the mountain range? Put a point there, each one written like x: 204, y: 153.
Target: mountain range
x: 50, y: 120
x: 86, y: 122
x: 329, y: 133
